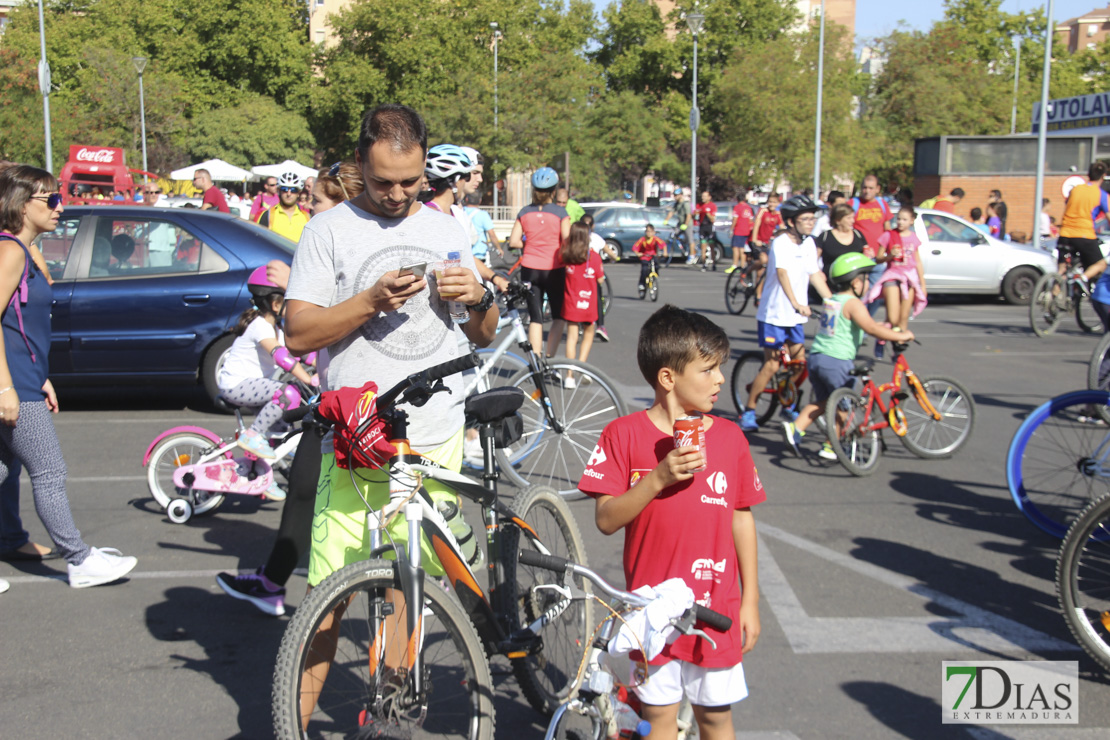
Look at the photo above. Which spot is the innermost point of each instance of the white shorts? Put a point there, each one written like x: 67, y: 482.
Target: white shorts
x: 704, y: 687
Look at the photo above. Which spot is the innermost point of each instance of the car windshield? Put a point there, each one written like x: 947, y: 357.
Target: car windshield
x: 276, y: 239
x: 946, y: 229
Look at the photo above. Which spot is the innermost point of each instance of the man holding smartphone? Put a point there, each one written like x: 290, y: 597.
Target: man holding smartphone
x: 347, y: 293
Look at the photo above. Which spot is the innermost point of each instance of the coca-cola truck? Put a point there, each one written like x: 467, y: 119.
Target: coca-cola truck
x: 94, y: 174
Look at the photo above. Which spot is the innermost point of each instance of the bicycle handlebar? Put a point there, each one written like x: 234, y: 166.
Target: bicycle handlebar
x: 559, y: 565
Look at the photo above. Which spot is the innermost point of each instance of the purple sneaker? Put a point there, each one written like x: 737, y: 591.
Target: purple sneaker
x: 250, y: 588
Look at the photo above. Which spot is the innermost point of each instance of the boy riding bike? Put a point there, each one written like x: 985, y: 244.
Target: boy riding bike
x: 647, y: 247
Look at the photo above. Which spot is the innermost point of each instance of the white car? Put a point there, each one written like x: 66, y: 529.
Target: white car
x: 959, y: 258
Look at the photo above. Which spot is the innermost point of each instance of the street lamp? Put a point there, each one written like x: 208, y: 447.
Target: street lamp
x: 1042, y: 132
x: 496, y: 38
x: 44, y: 86
x: 1017, y: 70
x: 140, y: 65
x: 820, y: 100
x: 694, y: 21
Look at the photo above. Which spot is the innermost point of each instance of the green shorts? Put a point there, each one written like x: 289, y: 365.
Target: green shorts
x: 339, y: 533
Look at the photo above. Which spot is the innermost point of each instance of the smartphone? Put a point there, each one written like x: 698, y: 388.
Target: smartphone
x: 414, y: 268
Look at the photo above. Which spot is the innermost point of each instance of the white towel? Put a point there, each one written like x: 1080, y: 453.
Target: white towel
x: 651, y: 625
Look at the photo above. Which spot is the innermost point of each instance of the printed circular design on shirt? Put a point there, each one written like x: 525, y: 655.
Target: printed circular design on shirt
x: 420, y: 327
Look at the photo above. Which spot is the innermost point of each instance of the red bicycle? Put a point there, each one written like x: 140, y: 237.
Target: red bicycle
x: 783, y: 389
x: 936, y: 424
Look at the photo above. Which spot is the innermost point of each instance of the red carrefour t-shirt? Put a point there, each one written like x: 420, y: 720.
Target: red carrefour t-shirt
x: 771, y: 220
x: 705, y: 213
x: 214, y: 197
x: 871, y: 220
x: 686, y: 531
x: 743, y: 219
x: 580, y: 289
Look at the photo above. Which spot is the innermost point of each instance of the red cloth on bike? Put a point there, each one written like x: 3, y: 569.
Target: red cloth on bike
x: 349, y: 408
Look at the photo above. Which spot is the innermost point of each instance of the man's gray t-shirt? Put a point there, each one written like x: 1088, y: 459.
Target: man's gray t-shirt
x: 343, y: 252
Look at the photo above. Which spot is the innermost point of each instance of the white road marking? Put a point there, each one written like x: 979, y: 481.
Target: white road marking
x: 974, y: 629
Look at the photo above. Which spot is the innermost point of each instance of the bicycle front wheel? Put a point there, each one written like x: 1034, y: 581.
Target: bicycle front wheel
x: 1098, y: 369
x: 743, y: 375
x: 653, y: 289
x: 927, y: 436
x: 1045, y: 310
x: 1085, y: 314
x: 182, y: 448
x: 1083, y: 580
x: 856, y: 444
x: 545, y: 678
x: 334, y: 674
x: 606, y: 296
x: 738, y: 291
x: 1058, y: 462
x: 583, y: 400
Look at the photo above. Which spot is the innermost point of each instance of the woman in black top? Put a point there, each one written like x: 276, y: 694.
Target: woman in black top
x: 841, y: 238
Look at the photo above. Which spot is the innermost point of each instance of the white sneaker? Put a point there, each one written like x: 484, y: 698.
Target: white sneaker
x: 569, y: 382
x: 4, y: 585
x: 103, y: 565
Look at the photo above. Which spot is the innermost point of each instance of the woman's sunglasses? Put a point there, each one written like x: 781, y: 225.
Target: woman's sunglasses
x: 52, y: 201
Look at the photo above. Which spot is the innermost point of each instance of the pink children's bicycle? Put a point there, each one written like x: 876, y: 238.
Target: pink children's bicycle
x: 191, y: 469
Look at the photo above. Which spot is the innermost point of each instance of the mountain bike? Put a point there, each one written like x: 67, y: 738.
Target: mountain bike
x: 1056, y: 295
x: 742, y: 285
x: 650, y: 287
x: 594, y: 692
x: 938, y: 423
x: 1083, y: 580
x: 1098, y: 368
x: 1058, y: 461
x: 358, y: 661
x: 783, y: 389
x: 677, y: 248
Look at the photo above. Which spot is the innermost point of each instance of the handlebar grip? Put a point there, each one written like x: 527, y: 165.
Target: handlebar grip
x: 539, y: 560
x: 714, y: 619
x: 451, y: 367
x: 293, y: 415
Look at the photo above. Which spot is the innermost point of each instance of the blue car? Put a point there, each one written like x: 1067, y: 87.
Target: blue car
x: 148, y: 295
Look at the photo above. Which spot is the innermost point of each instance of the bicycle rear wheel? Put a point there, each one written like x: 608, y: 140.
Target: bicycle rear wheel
x: 582, y: 408
x: 743, y: 375
x: 857, y: 447
x: 360, y: 696
x: 1085, y: 314
x: 605, y: 296
x: 935, y: 438
x: 1059, y: 460
x: 1098, y: 369
x: 545, y: 678
x: 1049, y: 303
x: 1083, y: 580
x: 182, y: 448
x: 738, y: 291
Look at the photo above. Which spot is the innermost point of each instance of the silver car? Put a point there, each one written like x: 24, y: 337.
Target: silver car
x: 959, y: 258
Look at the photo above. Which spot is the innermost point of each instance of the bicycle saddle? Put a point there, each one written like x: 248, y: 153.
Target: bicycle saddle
x: 494, y: 405
x: 862, y: 367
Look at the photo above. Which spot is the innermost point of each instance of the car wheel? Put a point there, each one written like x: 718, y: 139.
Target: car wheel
x: 1017, y: 286
x: 616, y: 247
x: 210, y: 369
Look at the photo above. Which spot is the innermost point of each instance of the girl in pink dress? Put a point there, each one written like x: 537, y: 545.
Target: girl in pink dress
x: 902, y: 285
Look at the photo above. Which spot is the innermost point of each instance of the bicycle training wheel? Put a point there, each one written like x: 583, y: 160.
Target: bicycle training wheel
x: 345, y: 621
x: 856, y: 445
x: 582, y: 401
x: 545, y: 678
x: 1085, y: 314
x: 182, y: 448
x: 1083, y: 580
x: 1059, y: 459
x: 1045, y: 310
x: 928, y: 437
x: 743, y: 374
x: 738, y: 291
x: 605, y: 294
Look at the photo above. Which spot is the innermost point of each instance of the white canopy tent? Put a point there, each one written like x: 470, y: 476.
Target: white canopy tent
x: 220, y: 171
x: 289, y: 165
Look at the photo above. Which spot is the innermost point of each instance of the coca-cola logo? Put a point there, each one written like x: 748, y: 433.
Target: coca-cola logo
x: 685, y: 438
x: 103, y: 156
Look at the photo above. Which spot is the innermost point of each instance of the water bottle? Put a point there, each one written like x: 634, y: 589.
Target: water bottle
x: 457, y: 310
x: 629, y: 724
x: 464, y: 533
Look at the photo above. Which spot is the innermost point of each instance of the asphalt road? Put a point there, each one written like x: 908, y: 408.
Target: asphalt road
x: 867, y: 584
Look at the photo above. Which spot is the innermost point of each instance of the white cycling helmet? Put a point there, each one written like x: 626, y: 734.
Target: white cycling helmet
x: 472, y: 154
x: 290, y: 180
x: 447, y: 162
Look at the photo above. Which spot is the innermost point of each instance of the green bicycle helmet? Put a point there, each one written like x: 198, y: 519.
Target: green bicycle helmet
x: 847, y: 267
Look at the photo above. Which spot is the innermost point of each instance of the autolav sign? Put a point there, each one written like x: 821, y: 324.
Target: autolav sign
x: 1075, y: 114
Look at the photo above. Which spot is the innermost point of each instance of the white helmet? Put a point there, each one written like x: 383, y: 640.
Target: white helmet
x: 447, y: 162
x: 290, y: 180
x: 472, y: 154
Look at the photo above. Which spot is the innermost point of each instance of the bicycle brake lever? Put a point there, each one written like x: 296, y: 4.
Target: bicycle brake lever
x: 685, y: 625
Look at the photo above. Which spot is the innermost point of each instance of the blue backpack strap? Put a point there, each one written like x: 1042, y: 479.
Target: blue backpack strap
x: 19, y: 297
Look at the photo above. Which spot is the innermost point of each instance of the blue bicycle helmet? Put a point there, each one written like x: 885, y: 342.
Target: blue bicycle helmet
x: 545, y: 178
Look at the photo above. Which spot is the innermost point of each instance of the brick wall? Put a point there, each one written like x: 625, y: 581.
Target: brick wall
x: 1017, y: 192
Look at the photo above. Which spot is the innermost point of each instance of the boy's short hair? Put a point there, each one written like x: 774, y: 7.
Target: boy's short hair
x: 673, y: 337
x: 976, y: 213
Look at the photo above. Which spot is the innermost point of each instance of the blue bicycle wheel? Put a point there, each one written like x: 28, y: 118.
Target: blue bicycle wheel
x: 1059, y: 459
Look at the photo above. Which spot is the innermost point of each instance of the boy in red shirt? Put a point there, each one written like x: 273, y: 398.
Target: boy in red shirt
x: 697, y: 526
x: 647, y: 246
x: 743, y: 222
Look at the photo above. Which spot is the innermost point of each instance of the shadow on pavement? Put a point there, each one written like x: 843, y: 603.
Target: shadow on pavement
x: 905, y: 713
x: 1021, y: 408
x: 136, y: 398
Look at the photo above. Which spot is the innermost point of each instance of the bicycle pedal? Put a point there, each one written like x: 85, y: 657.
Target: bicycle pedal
x: 521, y: 644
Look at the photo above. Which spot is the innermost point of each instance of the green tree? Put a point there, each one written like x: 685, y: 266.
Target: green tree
x: 256, y: 131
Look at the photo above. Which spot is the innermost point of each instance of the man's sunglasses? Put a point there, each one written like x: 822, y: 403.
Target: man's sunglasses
x: 153, y: 192
x: 271, y: 184
x: 289, y: 190
x: 52, y: 201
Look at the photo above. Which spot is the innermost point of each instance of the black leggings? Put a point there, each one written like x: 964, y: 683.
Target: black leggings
x: 294, y: 535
